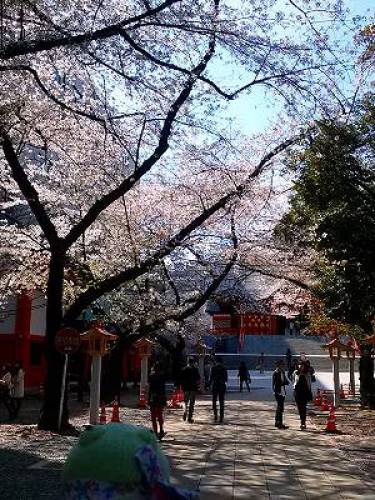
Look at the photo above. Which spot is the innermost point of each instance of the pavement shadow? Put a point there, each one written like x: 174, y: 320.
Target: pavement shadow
x: 28, y: 415
x: 24, y: 476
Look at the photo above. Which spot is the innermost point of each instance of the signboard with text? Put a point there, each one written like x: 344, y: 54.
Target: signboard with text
x: 67, y: 340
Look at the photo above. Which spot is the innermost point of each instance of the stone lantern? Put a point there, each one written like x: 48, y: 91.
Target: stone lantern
x: 96, y: 342
x: 350, y: 353
x: 370, y: 340
x: 335, y: 348
x: 144, y: 349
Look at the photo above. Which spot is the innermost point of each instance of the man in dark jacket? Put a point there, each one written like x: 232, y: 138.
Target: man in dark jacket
x: 279, y: 381
x: 244, y: 376
x: 190, y: 380
x: 218, y: 381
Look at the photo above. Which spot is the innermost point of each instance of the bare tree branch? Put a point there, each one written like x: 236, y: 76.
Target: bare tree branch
x: 29, y: 192
x: 34, y: 46
x: 130, y: 274
x: 163, y: 145
x: 171, y: 283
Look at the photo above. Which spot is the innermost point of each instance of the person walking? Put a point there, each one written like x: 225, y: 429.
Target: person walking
x: 261, y: 363
x: 279, y: 381
x: 207, y: 373
x: 218, y: 382
x: 293, y: 368
x: 244, y: 376
x: 6, y: 388
x: 302, y: 391
x: 311, y: 371
x: 157, y: 399
x: 18, y: 388
x: 288, y: 356
x: 190, y: 380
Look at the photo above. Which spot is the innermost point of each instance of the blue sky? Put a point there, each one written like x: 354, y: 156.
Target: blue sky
x: 255, y: 112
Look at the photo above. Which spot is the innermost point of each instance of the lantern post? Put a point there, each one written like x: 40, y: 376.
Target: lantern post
x: 350, y: 353
x: 144, y: 349
x: 335, y: 347
x: 370, y: 340
x: 67, y: 341
x: 97, y: 341
x: 200, y: 349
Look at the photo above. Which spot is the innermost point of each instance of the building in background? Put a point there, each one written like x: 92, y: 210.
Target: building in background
x: 22, y: 331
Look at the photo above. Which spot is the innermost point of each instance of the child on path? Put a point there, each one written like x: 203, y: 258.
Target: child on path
x: 157, y: 400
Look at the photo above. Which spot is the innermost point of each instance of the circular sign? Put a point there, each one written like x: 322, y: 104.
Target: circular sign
x: 67, y: 340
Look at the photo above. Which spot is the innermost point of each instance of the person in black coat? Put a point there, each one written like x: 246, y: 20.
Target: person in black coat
x: 302, y: 390
x: 190, y: 380
x: 279, y: 381
x: 244, y: 376
x: 157, y: 399
x: 218, y: 382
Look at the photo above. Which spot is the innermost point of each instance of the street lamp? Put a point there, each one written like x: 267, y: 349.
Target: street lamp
x: 144, y: 349
x: 370, y: 339
x: 350, y: 353
x: 97, y: 341
x: 335, y: 347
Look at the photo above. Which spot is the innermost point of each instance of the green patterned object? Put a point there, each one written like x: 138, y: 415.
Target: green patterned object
x: 108, y: 453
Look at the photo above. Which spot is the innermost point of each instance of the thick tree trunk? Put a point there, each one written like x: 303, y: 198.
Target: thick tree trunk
x: 367, y: 382
x: 52, y: 387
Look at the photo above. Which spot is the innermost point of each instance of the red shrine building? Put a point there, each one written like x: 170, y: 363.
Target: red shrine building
x: 22, y: 328
x: 231, y: 330
x: 22, y: 334
x: 247, y: 324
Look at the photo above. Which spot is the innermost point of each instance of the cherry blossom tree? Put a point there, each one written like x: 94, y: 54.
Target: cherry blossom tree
x: 108, y: 134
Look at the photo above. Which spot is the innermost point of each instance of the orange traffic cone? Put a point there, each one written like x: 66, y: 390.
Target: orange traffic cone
x: 142, y: 403
x: 324, y: 405
x: 331, y: 422
x: 342, y: 392
x: 115, y: 412
x: 180, y: 395
x: 102, y: 416
x: 174, y: 402
x: 318, y: 398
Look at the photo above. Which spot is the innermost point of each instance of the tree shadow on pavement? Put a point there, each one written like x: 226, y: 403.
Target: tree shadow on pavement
x: 24, y: 476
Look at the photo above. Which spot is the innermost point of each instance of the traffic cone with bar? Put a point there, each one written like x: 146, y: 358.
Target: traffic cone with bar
x: 142, y: 403
x: 103, y: 415
x: 324, y: 405
x: 331, y: 422
x: 115, y: 412
x: 318, y: 398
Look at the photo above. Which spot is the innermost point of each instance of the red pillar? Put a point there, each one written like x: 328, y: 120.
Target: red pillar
x: 22, y: 331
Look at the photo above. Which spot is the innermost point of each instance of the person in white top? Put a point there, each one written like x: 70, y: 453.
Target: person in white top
x: 18, y: 393
x: 6, y: 388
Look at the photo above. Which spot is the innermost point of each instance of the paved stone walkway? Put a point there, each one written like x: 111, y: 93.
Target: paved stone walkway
x: 247, y: 458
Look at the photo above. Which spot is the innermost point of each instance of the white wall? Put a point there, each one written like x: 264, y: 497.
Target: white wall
x: 8, y: 316
x: 38, y: 314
